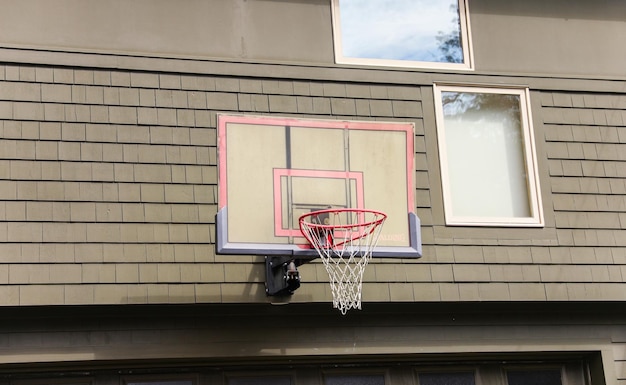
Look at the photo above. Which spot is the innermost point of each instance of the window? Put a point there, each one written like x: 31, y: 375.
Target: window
x: 159, y: 381
x: 402, y: 33
x: 535, y: 377
x: 488, y: 163
x: 358, y: 379
x: 446, y: 378
x: 269, y: 380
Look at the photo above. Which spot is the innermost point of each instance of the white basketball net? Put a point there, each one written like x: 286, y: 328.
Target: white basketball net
x: 344, y: 240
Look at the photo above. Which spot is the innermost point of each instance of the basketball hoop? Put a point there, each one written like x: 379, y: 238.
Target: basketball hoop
x: 344, y: 239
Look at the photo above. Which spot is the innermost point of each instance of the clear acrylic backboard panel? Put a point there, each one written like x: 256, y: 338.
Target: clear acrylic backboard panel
x: 272, y: 170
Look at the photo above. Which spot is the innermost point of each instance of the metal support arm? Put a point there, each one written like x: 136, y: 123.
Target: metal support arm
x: 281, y: 275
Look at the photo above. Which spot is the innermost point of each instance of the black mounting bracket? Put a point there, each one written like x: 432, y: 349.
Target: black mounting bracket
x: 281, y: 275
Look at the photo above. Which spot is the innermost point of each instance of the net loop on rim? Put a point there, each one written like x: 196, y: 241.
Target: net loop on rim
x: 344, y: 240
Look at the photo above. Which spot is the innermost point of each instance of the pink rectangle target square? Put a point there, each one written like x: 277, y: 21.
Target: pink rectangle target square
x: 288, y: 182
x: 272, y: 170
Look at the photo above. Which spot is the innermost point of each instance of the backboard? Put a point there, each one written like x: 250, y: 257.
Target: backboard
x: 272, y: 170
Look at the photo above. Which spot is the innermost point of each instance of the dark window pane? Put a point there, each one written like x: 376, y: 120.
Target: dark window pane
x: 259, y: 381
x: 465, y: 378
x: 355, y: 380
x: 534, y: 377
x: 176, y: 382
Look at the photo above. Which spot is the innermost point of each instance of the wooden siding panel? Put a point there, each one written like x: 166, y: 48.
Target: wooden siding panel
x: 131, y: 181
x: 116, y: 172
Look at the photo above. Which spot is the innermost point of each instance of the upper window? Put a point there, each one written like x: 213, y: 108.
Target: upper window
x: 402, y: 33
x: 488, y: 163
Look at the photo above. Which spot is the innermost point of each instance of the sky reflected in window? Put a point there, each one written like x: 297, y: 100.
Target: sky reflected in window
x: 414, y: 30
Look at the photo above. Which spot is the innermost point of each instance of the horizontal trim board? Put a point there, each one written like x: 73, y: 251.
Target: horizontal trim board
x: 303, y: 71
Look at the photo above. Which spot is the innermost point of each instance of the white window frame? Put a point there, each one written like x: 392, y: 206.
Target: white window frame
x: 536, y: 219
x: 466, y: 43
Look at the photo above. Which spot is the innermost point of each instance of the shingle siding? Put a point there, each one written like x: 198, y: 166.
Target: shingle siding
x: 115, y: 173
